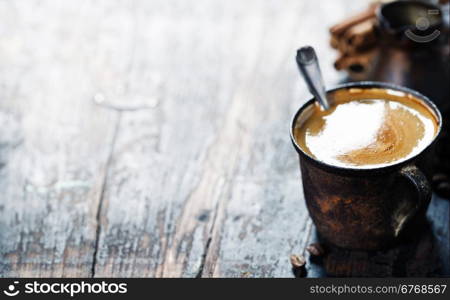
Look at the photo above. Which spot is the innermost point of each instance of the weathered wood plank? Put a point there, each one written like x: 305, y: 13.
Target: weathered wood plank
x: 163, y: 164
x: 206, y: 183
x: 54, y: 141
x: 185, y: 168
x: 274, y: 206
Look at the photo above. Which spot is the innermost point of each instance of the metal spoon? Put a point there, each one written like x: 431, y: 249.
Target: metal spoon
x: 309, y: 67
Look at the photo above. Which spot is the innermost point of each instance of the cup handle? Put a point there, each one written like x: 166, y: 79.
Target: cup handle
x: 422, y: 186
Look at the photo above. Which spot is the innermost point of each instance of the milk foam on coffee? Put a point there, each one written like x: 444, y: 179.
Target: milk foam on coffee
x: 367, y: 128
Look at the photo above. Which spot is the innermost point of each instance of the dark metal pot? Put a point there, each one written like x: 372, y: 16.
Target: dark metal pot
x: 366, y: 209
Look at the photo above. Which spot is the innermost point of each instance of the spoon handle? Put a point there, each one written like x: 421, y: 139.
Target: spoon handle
x: 309, y: 67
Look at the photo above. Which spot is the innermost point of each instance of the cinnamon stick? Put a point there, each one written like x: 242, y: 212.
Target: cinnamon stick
x: 334, y: 42
x: 358, y: 63
x: 359, y: 37
x: 340, y: 28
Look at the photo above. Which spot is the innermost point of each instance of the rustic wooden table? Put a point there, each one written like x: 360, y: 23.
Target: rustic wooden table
x: 150, y: 138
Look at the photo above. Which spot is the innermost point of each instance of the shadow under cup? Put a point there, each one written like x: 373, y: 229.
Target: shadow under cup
x: 366, y: 208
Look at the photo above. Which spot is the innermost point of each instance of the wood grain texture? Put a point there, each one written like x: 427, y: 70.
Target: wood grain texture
x: 206, y: 183
x: 54, y: 141
x: 150, y: 138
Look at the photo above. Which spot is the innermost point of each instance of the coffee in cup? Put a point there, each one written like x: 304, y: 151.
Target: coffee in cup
x: 366, y: 128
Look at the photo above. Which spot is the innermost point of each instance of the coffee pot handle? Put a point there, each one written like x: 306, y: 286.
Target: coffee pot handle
x: 411, y: 207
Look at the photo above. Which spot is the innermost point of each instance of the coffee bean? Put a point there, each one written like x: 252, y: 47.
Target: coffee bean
x: 315, y: 249
x: 298, y: 263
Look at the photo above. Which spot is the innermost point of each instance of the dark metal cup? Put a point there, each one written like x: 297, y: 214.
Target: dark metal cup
x: 366, y: 209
